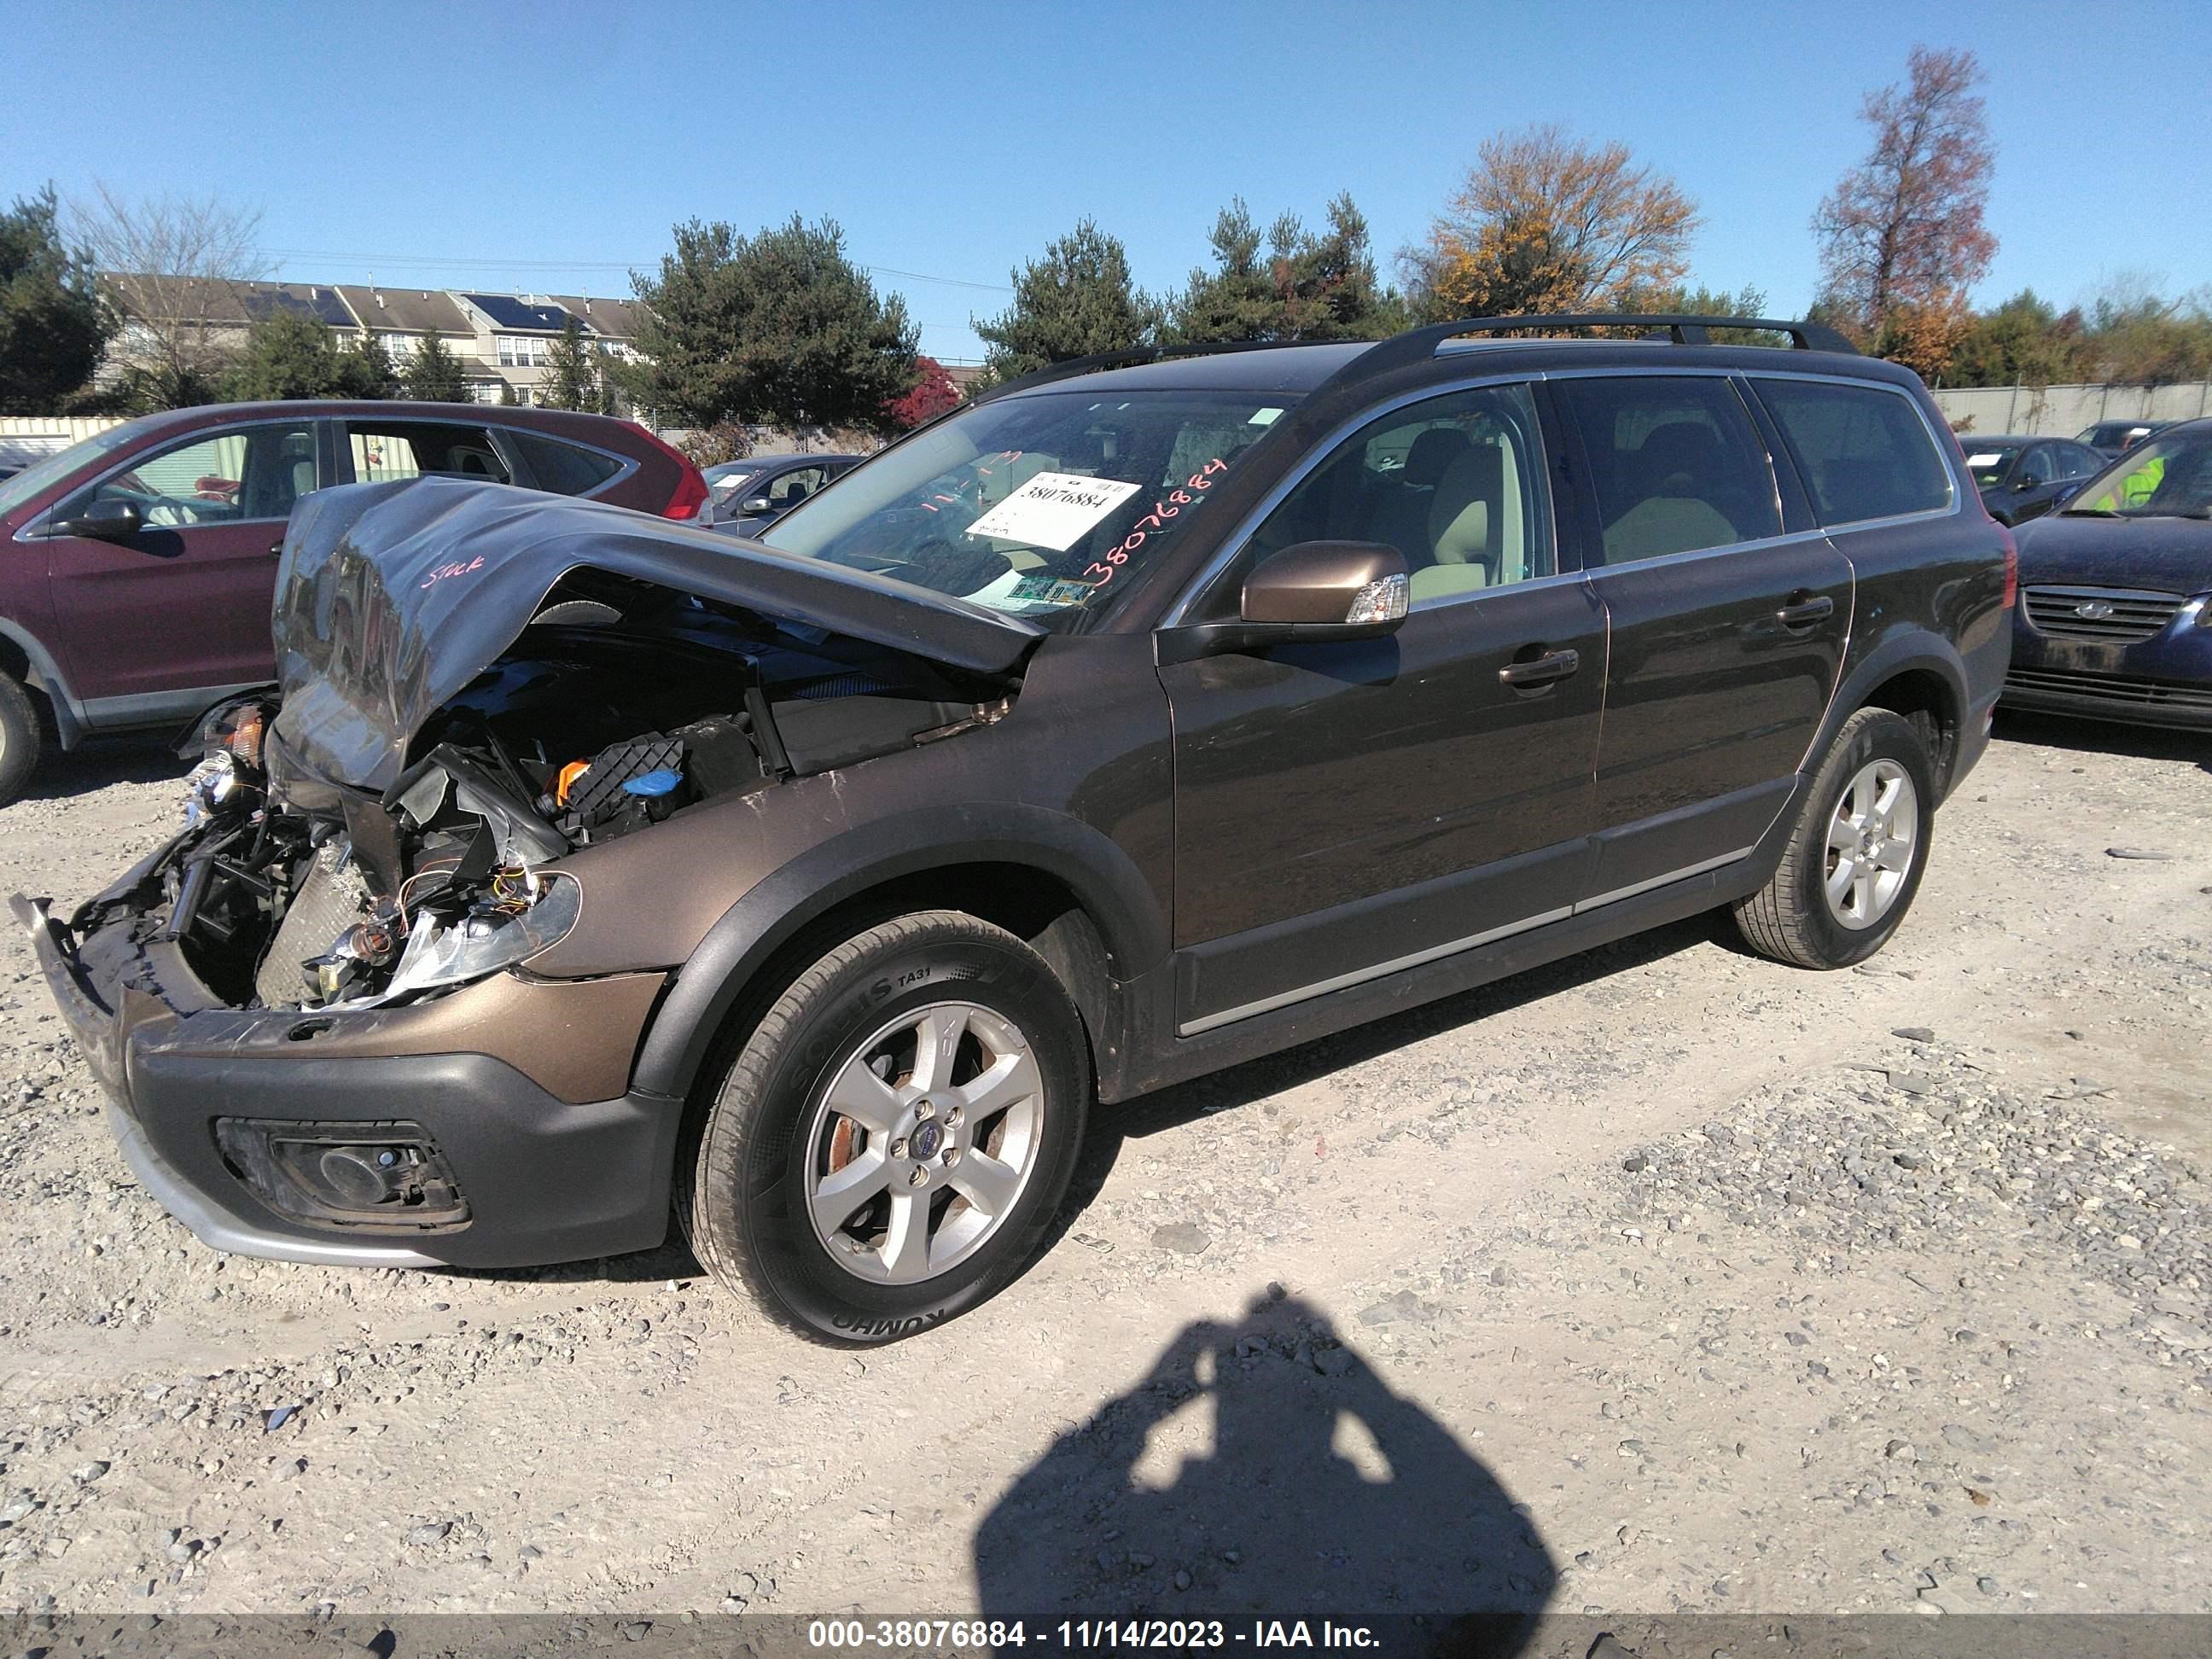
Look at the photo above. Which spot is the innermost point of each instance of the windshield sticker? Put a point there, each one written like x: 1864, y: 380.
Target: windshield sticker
x: 1053, y: 510
x: 1050, y: 590
x: 1982, y: 460
x: 1265, y: 417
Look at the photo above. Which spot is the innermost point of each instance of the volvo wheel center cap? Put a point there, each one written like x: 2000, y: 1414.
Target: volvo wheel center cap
x: 927, y: 1138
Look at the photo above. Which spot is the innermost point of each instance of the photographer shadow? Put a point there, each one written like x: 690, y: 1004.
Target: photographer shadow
x: 1265, y: 1471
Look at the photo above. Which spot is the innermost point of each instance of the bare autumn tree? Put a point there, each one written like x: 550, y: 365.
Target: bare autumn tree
x: 162, y: 259
x: 1901, y: 236
x: 1543, y: 223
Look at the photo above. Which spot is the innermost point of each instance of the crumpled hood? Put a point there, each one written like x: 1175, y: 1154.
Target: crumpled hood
x: 393, y: 597
x: 2172, y: 555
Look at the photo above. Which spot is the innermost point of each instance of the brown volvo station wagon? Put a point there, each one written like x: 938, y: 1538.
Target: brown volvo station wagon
x: 1146, y: 715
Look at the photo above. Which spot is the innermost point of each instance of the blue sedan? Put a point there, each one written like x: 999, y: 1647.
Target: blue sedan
x: 2115, y: 620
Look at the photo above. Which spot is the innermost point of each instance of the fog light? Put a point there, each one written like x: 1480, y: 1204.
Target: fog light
x: 386, y: 1176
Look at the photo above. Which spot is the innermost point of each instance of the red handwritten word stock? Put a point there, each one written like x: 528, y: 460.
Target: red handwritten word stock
x: 443, y: 571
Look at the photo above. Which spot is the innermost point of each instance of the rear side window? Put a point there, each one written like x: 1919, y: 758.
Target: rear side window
x: 1863, y: 451
x: 563, y: 469
x: 408, y: 449
x: 1676, y: 463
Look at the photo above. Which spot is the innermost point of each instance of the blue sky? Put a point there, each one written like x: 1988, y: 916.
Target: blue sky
x: 550, y: 147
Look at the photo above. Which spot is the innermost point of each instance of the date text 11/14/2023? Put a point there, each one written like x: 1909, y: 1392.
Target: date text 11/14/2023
x: 1085, y: 1634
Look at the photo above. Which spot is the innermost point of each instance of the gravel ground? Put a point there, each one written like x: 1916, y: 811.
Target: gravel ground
x: 1663, y: 1279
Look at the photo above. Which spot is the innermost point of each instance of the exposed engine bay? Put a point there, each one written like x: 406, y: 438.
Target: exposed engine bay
x: 623, y: 703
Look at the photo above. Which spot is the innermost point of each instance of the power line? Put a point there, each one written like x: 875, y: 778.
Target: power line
x: 625, y: 266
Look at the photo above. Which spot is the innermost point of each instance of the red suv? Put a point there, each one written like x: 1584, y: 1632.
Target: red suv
x: 137, y: 567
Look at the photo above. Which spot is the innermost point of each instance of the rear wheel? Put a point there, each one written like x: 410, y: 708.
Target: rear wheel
x: 885, y: 1149
x: 1857, y: 854
x: 20, y: 739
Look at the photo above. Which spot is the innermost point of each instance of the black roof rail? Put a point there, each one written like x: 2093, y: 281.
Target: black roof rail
x: 1131, y: 356
x: 1419, y: 344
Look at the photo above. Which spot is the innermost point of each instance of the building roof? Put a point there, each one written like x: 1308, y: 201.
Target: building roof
x: 619, y: 319
x: 406, y: 310
x: 511, y: 311
x: 410, y: 310
x: 221, y: 299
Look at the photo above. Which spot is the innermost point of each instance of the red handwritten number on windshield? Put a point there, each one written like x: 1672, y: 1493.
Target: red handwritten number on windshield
x: 1169, y: 507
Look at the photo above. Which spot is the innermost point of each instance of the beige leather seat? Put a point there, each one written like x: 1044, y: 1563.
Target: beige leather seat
x: 1474, y: 526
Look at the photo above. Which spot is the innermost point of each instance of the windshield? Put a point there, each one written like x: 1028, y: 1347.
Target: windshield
x: 2163, y: 477
x: 724, y: 480
x: 1988, y: 465
x: 15, y: 491
x: 1035, y: 505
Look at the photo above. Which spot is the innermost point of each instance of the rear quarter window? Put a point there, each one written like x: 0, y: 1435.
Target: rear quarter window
x: 408, y: 449
x: 1863, y: 451
x: 562, y: 468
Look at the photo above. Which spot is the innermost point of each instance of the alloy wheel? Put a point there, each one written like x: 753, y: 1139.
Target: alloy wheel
x: 1872, y: 841
x: 924, y: 1142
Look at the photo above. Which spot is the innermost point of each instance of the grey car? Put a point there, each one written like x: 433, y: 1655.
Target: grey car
x: 750, y: 496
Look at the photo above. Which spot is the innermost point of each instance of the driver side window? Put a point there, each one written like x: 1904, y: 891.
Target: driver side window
x: 1455, y: 483
x: 234, y: 476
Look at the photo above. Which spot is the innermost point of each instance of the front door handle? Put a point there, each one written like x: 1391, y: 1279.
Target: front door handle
x: 1542, y: 670
x: 277, y: 550
x: 1803, y: 613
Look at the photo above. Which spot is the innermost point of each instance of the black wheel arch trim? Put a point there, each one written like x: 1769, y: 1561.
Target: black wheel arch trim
x: 1905, y: 651
x: 47, y: 677
x: 1104, y: 879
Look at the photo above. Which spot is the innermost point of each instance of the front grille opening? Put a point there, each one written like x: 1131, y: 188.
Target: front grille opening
x: 2116, y: 614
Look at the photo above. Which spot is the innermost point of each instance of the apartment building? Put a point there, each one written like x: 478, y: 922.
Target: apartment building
x: 501, y: 340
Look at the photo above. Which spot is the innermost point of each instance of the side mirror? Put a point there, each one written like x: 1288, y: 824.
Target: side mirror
x: 2068, y: 493
x: 1311, y: 592
x: 105, y: 521
x: 2022, y: 486
x: 747, y: 509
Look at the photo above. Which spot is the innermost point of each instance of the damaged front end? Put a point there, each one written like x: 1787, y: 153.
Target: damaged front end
x: 474, y: 689
x: 312, y: 1006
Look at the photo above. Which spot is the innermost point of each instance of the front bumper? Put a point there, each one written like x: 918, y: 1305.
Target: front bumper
x: 546, y: 1179
x: 2162, y: 680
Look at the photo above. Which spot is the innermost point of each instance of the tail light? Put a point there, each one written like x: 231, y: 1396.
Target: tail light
x: 690, y: 494
x: 690, y: 485
x: 2011, y: 568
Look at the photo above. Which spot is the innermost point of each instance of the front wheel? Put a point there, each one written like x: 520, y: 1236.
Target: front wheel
x: 1856, y: 853
x: 886, y: 1147
x: 20, y: 739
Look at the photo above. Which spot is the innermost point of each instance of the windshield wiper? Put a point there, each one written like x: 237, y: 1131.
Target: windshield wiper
x: 2087, y: 512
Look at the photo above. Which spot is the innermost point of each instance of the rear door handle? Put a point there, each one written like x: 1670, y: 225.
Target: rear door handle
x: 1542, y: 670
x: 276, y: 550
x: 1805, y: 612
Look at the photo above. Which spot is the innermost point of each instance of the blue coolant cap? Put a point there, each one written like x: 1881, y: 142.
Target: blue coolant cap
x: 654, y: 783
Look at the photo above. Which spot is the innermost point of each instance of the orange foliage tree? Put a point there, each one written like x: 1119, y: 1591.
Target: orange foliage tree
x: 1543, y: 223
x: 1901, y: 236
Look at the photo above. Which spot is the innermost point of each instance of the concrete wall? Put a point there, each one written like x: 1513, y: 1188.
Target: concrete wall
x: 2061, y: 411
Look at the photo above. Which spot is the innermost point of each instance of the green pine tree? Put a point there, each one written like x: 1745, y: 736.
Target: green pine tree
x: 572, y: 377
x: 780, y: 327
x: 1292, y: 284
x: 1076, y: 301
x: 52, y: 324
x: 434, y: 375
x: 289, y: 353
